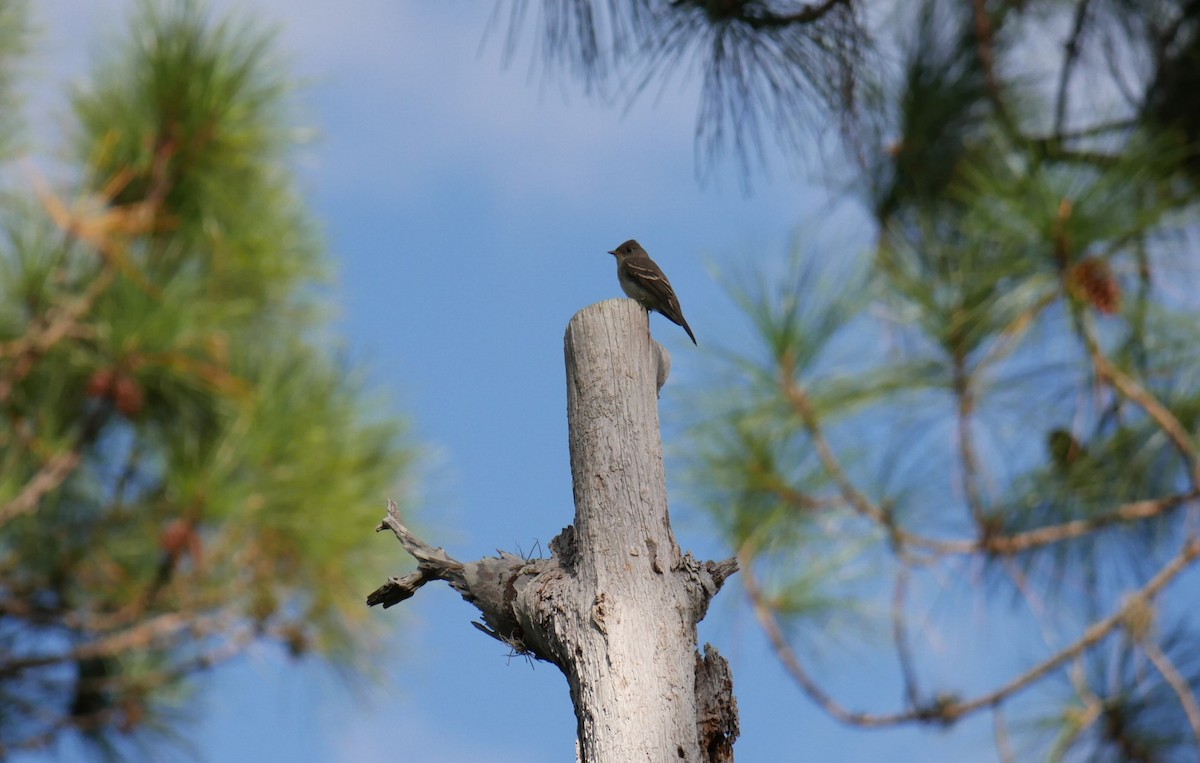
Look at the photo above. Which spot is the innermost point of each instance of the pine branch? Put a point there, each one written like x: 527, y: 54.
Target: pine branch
x: 1071, y: 56
x: 971, y: 467
x: 49, y: 477
x: 1131, y: 390
x: 900, y: 635
x: 945, y: 710
x: 798, y: 398
x: 1178, y: 684
x: 990, y: 542
x: 1000, y: 732
x: 761, y: 17
x: 139, y: 636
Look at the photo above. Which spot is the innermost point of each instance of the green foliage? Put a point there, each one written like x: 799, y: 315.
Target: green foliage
x: 1008, y: 392
x: 186, y: 467
x: 1118, y: 711
x: 941, y: 116
x: 191, y: 117
x: 768, y: 69
x: 763, y: 481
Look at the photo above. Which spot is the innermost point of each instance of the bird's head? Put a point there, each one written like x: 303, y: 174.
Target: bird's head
x: 628, y: 248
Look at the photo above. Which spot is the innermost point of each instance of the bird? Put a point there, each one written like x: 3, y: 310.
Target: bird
x: 642, y: 280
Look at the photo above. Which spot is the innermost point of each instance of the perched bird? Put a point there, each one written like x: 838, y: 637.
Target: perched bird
x: 644, y: 281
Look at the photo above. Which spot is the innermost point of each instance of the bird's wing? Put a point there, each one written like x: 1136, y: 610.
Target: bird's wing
x: 650, y: 277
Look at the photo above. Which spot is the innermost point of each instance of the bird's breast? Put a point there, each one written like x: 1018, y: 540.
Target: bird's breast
x: 633, y: 289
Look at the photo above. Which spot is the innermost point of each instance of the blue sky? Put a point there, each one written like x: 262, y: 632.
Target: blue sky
x: 433, y: 165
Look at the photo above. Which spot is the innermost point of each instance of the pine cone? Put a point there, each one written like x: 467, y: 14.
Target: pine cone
x: 1091, y: 280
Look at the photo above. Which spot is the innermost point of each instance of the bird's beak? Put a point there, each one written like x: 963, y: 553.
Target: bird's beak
x: 613, y: 252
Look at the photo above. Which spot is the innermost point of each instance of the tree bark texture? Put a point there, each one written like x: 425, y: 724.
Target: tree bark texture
x: 633, y: 676
x: 615, y: 607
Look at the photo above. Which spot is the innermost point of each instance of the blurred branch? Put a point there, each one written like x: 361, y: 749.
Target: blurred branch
x: 900, y: 635
x: 52, y: 474
x: 132, y: 388
x: 760, y: 16
x: 767, y: 68
x: 1042, y: 536
x: 1091, y: 636
x: 987, y: 51
x: 1131, y: 390
x: 1177, y: 683
x: 945, y: 710
x: 103, y: 225
x: 1015, y: 543
x: 1000, y: 731
x: 966, y: 444
x: 798, y: 398
x: 59, y: 322
x: 1071, y: 56
x: 135, y: 691
x: 1009, y: 337
x: 990, y: 542
x: 137, y: 637
x: 791, y: 661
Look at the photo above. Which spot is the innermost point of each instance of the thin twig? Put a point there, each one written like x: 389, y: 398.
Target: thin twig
x: 996, y: 543
x: 987, y: 51
x: 59, y: 322
x: 1064, y: 77
x: 900, y: 636
x: 791, y: 662
x: 1036, y: 606
x: 1010, y: 336
x: 1043, y: 536
x: 138, y: 637
x: 55, y: 470
x: 1178, y: 683
x: 966, y: 445
x: 1000, y: 731
x: 48, y: 478
x: 856, y: 498
x: 1091, y: 636
x: 1131, y: 390
x: 948, y: 712
x: 1009, y: 545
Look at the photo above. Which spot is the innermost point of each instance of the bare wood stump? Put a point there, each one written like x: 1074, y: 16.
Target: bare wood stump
x: 615, y: 607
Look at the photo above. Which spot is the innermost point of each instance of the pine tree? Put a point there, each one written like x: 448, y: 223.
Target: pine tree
x: 186, y: 465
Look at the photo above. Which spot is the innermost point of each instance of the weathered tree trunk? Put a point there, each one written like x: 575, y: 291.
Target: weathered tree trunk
x: 633, y: 627
x: 616, y: 605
